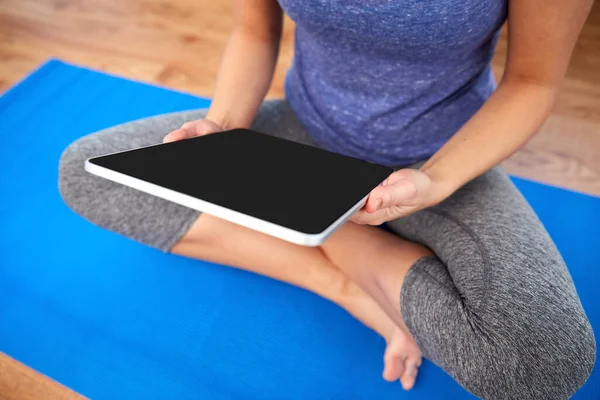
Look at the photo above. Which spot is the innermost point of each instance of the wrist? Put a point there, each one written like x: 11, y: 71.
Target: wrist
x: 442, y: 185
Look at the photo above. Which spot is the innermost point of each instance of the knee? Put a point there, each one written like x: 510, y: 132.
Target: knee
x: 71, y: 173
x: 565, y: 358
x: 550, y: 361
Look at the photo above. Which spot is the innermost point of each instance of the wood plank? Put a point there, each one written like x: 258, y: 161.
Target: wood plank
x: 18, y: 382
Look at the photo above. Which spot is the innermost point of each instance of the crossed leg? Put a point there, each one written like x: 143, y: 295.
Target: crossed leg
x: 215, y: 240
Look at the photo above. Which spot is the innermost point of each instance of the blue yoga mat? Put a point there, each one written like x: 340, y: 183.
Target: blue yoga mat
x: 113, y: 319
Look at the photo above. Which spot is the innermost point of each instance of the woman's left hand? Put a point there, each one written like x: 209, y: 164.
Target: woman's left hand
x: 403, y: 192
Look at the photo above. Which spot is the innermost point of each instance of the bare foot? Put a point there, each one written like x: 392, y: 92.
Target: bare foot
x: 402, y: 359
x: 402, y: 356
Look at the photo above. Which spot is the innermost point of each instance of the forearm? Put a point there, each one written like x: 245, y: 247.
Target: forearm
x: 541, y: 38
x: 510, y: 117
x: 244, y: 76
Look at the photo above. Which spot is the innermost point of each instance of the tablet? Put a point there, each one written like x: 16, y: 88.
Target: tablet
x: 292, y: 191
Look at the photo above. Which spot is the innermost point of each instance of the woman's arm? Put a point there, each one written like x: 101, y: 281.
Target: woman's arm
x: 247, y: 65
x: 541, y: 38
x: 245, y: 72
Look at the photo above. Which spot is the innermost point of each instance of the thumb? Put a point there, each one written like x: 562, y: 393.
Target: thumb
x: 376, y: 199
x: 191, y: 129
x: 401, y: 192
x: 205, y: 127
x: 177, y: 134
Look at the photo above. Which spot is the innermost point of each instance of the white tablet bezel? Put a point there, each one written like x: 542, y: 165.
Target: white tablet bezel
x: 269, y: 228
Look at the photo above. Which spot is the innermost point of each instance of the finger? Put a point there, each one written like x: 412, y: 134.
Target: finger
x: 397, y: 194
x: 190, y: 127
x: 206, y: 126
x: 365, y: 218
x: 359, y: 217
x: 382, y: 215
x: 177, y: 134
x: 200, y: 127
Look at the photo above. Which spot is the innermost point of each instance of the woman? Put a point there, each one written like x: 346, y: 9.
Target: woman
x: 468, y: 277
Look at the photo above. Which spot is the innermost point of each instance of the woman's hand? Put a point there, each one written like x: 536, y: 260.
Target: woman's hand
x: 403, y: 192
x: 191, y: 129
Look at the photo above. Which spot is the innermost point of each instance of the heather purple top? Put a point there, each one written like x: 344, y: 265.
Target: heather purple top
x: 390, y: 81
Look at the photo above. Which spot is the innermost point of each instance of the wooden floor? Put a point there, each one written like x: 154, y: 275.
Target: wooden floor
x: 18, y: 382
x: 177, y: 43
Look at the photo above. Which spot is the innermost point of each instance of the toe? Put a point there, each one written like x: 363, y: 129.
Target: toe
x: 394, y: 368
x: 410, y: 374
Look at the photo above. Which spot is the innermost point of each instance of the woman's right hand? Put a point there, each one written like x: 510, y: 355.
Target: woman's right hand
x: 191, y: 129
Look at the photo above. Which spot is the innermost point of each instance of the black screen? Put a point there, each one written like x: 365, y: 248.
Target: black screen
x: 286, y: 183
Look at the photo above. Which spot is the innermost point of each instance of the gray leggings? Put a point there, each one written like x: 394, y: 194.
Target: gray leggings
x: 495, y: 307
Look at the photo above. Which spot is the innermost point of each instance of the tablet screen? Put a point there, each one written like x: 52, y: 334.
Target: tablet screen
x: 289, y: 184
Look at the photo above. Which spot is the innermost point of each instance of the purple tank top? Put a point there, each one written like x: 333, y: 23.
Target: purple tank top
x: 390, y: 81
